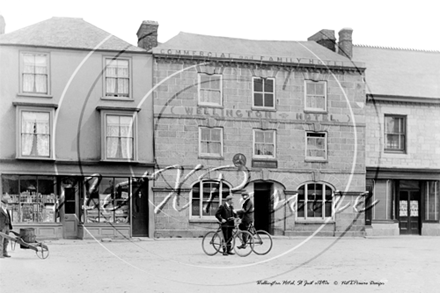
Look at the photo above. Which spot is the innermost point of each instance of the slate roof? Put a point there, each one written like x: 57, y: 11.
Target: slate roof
x: 400, y: 72
x: 65, y: 32
x: 246, y: 47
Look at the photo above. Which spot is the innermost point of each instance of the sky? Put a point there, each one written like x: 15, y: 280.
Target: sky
x: 384, y: 23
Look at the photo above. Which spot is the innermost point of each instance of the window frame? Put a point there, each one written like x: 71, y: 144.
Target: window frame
x: 130, y: 78
x: 199, y: 89
x: 427, y: 204
x: 19, y: 120
x: 310, y: 109
x: 274, y: 156
x: 200, y: 216
x: 263, y: 92
x: 104, y: 114
x: 214, y: 155
x: 316, y: 159
x: 48, y: 74
x: 324, y: 217
x: 400, y: 134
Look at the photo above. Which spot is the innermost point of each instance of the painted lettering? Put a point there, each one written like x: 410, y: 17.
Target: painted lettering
x: 238, y: 113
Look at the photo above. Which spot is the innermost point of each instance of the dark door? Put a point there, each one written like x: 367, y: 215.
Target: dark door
x: 263, y: 207
x: 139, y: 215
x: 409, y: 212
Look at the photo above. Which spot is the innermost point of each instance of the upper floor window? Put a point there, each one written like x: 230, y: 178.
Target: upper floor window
x: 395, y: 133
x: 264, y: 92
x: 206, y: 197
x: 316, y: 145
x: 211, y: 141
x: 117, y: 78
x: 264, y: 143
x: 315, y: 96
x: 210, y: 89
x: 314, y: 201
x: 35, y: 73
x: 35, y: 132
x: 119, y: 139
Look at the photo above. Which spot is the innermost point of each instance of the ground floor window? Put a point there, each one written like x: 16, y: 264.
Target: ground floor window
x: 314, y: 201
x: 384, y: 200
x: 432, y: 201
x: 106, y: 200
x: 32, y: 199
x: 206, y: 197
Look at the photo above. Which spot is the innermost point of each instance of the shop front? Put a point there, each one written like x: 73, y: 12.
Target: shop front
x: 405, y: 202
x: 78, y: 207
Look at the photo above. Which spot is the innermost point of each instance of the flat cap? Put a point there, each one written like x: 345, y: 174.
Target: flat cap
x: 229, y: 197
x: 4, y: 200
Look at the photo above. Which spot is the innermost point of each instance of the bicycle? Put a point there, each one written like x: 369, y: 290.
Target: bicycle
x: 262, y: 241
x: 213, y: 241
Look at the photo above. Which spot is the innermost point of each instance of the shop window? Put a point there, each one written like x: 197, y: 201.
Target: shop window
x: 119, y: 136
x: 107, y: 200
x: 316, y: 146
x: 263, y: 92
x: 35, y: 73
x: 314, y: 201
x: 206, y: 197
x: 32, y: 199
x: 383, y: 197
x: 264, y: 143
x: 117, y: 78
x: 35, y: 132
x: 211, y: 141
x: 315, y: 96
x: 395, y: 133
x: 210, y: 89
x: 432, y: 201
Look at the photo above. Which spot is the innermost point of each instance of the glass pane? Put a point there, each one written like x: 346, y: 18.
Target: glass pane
x: 268, y: 85
x: 268, y: 100
x: 259, y: 136
x: 268, y: 136
x: 258, y: 100
x: 216, y: 135
x: 258, y: 85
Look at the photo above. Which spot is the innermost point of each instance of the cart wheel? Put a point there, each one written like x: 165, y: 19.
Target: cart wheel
x: 12, y: 243
x: 42, y: 251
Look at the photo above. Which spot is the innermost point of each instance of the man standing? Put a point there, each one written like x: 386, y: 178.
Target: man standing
x: 246, y: 214
x: 225, y: 214
x: 5, y: 226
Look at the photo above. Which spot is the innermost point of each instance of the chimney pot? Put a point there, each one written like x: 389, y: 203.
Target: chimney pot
x: 147, y: 34
x: 325, y: 38
x: 345, y: 44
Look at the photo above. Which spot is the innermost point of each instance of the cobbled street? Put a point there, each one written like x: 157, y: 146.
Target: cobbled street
x: 389, y: 264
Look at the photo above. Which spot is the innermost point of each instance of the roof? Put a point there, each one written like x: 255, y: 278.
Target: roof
x: 400, y: 72
x: 246, y: 48
x: 65, y: 32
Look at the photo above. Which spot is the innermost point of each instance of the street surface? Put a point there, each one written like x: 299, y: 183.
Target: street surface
x: 388, y: 264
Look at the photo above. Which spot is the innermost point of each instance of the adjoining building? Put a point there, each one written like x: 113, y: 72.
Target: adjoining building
x: 402, y: 140
x: 76, y: 128
x: 284, y: 120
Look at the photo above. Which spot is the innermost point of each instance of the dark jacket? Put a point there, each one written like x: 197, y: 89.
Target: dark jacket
x: 5, y: 219
x: 227, y: 213
x: 247, y: 211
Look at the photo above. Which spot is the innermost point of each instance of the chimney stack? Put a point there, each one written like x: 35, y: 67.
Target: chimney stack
x: 345, y: 44
x: 2, y: 25
x: 147, y: 34
x: 325, y: 38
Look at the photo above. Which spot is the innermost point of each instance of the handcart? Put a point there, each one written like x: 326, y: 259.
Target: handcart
x: 41, y: 249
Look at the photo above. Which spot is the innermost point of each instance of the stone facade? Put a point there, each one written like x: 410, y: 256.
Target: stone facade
x: 178, y: 117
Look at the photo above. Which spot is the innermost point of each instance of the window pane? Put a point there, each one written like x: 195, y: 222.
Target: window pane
x: 258, y: 100
x: 268, y: 100
x: 268, y: 85
x: 258, y: 85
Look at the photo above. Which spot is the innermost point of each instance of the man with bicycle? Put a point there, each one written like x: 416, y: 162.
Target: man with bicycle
x: 246, y: 214
x: 226, y: 215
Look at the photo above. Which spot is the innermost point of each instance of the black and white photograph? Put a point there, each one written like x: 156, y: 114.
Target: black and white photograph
x: 223, y: 146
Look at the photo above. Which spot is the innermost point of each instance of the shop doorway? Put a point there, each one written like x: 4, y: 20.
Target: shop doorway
x: 263, y: 206
x: 69, y: 208
x: 139, y: 215
x: 409, y: 208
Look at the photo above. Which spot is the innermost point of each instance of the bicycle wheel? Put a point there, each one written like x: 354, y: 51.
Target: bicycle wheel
x: 243, y: 248
x: 211, y: 243
x: 262, y: 242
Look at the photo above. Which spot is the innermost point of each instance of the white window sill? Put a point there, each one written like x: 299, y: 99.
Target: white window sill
x: 34, y: 95
x: 314, y: 221
x: 110, y: 98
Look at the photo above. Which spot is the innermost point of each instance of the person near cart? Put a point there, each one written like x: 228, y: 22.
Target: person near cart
x: 5, y: 227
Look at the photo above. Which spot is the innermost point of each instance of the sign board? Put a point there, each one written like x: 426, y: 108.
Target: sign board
x: 264, y: 164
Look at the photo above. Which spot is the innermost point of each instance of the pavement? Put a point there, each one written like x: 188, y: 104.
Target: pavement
x: 295, y: 264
